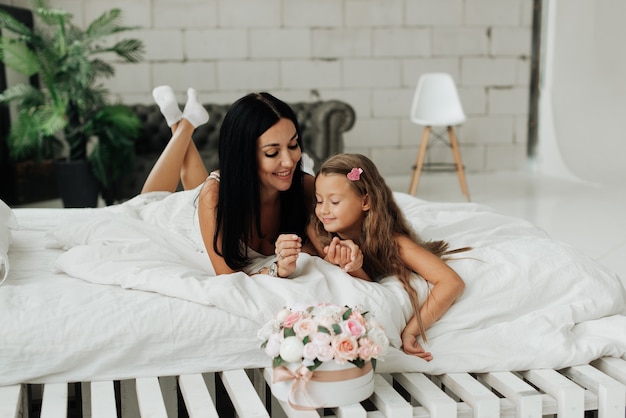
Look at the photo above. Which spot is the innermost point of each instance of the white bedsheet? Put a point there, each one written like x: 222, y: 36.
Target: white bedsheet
x: 130, y: 293
x: 7, y: 223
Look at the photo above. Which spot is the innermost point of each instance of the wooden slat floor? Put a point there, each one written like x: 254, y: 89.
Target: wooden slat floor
x: 598, y: 389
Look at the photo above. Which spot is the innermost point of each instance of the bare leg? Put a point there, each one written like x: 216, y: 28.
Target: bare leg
x: 193, y: 172
x: 180, y: 160
x: 166, y: 173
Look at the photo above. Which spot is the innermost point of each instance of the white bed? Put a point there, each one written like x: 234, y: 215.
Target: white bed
x: 125, y: 292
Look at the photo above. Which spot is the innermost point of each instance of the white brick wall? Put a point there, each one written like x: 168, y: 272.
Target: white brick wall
x: 444, y: 13
x: 369, y: 53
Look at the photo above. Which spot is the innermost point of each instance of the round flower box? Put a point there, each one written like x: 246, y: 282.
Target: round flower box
x: 316, y: 352
x: 328, y: 386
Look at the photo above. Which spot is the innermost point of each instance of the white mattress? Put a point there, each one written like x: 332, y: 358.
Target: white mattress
x: 128, y: 293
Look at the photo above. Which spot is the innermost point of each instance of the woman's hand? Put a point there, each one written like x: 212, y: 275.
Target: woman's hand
x: 288, y: 247
x: 411, y: 346
x: 345, y: 254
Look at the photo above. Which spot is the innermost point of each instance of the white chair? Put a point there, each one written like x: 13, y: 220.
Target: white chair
x: 436, y: 103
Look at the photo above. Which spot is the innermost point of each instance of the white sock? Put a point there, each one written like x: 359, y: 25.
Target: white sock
x: 194, y: 112
x: 166, y: 99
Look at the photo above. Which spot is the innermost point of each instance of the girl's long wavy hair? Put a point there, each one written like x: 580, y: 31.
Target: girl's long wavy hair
x: 239, y: 205
x: 382, y: 224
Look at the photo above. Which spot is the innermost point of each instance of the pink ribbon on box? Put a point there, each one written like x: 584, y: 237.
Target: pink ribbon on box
x: 302, y: 375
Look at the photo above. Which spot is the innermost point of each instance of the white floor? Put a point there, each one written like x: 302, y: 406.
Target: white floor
x: 587, y: 216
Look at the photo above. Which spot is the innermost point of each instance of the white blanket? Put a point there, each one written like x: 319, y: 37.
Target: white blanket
x: 7, y: 223
x: 530, y: 301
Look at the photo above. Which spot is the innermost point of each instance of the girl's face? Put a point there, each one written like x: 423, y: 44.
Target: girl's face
x: 278, y: 153
x: 339, y: 207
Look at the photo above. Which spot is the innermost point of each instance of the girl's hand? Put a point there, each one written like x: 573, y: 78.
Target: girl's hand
x: 287, y: 248
x: 337, y: 253
x: 355, y: 255
x: 411, y: 346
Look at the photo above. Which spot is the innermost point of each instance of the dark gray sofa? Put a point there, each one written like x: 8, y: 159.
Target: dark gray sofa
x: 322, y: 124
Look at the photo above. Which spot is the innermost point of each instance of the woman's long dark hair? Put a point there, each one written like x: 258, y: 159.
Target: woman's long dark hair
x: 239, y: 206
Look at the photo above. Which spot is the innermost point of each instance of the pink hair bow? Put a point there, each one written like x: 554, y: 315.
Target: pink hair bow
x: 355, y: 174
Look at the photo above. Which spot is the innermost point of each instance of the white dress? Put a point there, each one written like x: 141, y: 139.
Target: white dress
x: 177, y: 213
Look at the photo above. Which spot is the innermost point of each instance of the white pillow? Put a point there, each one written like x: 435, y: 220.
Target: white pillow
x: 7, y: 222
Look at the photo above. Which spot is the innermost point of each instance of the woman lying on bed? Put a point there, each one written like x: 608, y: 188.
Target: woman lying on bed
x: 259, y: 197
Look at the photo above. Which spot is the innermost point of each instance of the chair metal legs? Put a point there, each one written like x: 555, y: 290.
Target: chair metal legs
x: 421, y: 154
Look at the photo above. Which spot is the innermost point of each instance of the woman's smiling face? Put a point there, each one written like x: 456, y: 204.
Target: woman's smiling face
x: 278, y: 155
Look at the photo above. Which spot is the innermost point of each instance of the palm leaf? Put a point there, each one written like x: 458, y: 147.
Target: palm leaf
x: 19, y: 57
x: 23, y: 138
x: 105, y: 24
x: 27, y: 95
x: 26, y: 138
x: 103, y: 68
x: 101, y: 158
x: 130, y: 49
x: 51, y: 16
x: 53, y: 119
x: 13, y: 25
x: 119, y: 116
x: 116, y: 127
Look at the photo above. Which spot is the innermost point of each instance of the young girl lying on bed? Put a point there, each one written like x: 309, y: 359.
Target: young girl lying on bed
x: 353, y: 203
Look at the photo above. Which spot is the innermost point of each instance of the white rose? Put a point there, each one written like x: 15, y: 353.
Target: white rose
x: 378, y: 336
x: 327, y: 311
x: 291, y: 349
x: 268, y: 329
x: 272, y: 348
x: 284, y: 313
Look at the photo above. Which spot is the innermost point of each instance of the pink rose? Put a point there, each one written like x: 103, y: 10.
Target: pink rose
x: 320, y: 338
x: 367, y: 349
x: 310, y: 351
x: 376, y: 350
x: 353, y: 327
x: 357, y: 316
x: 304, y: 327
x: 292, y: 318
x: 346, y: 348
x: 325, y: 352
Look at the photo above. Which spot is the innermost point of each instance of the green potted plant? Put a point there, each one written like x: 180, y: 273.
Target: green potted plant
x: 66, y: 111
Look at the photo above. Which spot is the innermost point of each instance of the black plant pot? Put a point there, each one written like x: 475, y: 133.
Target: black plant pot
x: 28, y: 182
x: 77, y: 184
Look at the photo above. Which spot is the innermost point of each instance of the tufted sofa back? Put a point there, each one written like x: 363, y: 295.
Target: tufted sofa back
x: 322, y: 124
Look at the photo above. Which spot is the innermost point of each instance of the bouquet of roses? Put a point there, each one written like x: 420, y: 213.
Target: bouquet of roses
x: 315, y: 334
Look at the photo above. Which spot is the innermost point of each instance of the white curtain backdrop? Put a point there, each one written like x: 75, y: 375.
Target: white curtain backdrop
x: 583, y: 91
